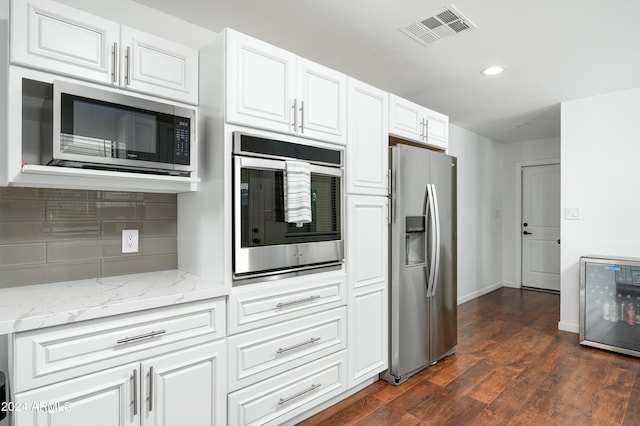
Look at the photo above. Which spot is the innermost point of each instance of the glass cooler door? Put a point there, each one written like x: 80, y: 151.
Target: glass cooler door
x: 610, y: 304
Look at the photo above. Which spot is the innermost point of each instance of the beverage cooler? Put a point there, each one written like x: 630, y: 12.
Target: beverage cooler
x: 610, y: 303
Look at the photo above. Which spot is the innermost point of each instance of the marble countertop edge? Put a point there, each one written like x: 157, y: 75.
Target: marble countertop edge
x: 44, y: 305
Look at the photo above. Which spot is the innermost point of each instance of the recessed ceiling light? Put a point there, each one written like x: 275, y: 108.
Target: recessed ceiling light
x: 492, y: 70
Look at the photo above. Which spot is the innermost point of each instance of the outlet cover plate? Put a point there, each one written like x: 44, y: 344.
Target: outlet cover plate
x: 129, y: 240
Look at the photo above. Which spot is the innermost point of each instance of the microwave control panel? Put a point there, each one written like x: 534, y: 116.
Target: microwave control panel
x: 182, y: 128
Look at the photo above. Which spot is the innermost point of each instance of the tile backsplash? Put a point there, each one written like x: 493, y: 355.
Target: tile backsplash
x: 49, y: 235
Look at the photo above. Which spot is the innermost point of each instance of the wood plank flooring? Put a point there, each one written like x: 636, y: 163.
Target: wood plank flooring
x: 512, y: 367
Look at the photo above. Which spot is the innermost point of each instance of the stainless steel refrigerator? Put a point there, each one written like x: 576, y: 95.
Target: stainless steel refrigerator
x: 423, y: 296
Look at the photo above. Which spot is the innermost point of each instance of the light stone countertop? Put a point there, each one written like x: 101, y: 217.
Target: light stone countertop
x: 43, y: 305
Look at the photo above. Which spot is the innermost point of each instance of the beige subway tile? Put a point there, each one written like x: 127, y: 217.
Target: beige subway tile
x: 71, y: 230
x: 15, y: 276
x: 22, y: 254
x: 156, y: 211
x: 69, y: 251
x: 71, y: 210
x: 21, y: 210
x: 109, y: 210
x: 138, y: 264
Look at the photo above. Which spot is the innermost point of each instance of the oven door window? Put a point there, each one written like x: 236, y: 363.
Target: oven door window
x: 262, y: 210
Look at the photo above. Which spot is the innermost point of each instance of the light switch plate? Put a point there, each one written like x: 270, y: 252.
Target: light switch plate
x: 129, y: 240
x: 572, y: 213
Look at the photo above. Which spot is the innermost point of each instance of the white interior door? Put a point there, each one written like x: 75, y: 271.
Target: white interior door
x: 541, y: 227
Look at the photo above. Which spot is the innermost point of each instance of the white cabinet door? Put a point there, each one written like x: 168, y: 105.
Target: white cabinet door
x: 321, y: 101
x: 107, y: 398
x: 367, y: 272
x: 185, y: 388
x: 406, y: 119
x: 411, y: 121
x: 368, y: 346
x: 55, y: 37
x: 367, y: 139
x: 260, y: 83
x: 158, y: 67
x: 437, y: 129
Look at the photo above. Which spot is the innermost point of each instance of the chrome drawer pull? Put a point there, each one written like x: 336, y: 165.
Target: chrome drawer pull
x: 299, y: 394
x: 142, y: 336
x: 297, y: 302
x: 299, y: 345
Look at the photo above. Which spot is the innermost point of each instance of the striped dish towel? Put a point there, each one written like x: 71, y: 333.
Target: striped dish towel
x: 297, y: 192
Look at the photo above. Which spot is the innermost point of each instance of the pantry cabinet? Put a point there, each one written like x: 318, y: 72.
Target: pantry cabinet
x: 56, y: 38
x: 367, y: 141
x: 414, y: 122
x: 367, y: 272
x: 271, y: 88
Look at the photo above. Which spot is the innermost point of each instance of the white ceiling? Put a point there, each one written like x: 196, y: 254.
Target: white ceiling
x: 553, y: 51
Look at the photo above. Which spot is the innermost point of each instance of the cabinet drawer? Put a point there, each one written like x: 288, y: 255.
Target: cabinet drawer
x: 258, y: 354
x: 257, y: 305
x: 62, y: 352
x: 276, y: 400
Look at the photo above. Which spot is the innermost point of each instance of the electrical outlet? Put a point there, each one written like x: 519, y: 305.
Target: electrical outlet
x: 129, y: 240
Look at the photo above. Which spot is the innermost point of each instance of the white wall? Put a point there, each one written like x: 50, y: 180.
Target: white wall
x: 479, y: 198
x: 600, y: 175
x: 516, y: 155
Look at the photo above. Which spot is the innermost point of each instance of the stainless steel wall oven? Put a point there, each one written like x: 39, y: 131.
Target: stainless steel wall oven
x: 264, y: 244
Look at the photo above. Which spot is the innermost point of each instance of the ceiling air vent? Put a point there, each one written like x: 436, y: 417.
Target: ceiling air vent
x: 439, y: 26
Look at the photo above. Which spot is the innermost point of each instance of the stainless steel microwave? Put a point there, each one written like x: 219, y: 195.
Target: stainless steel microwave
x: 96, y: 128
x: 264, y: 243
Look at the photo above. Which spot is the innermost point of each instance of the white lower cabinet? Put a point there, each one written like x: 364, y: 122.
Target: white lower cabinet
x: 261, y: 353
x: 162, y: 367
x: 288, y: 349
x: 185, y: 387
x: 282, y: 397
x: 100, y: 399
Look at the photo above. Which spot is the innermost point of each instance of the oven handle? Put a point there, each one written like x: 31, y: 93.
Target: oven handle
x: 262, y: 163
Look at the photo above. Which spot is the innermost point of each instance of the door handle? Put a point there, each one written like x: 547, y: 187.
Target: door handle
x: 558, y: 240
x: 527, y: 233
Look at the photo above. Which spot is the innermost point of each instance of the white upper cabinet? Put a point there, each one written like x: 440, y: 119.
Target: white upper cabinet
x: 322, y: 102
x: 260, y: 83
x: 367, y: 140
x: 158, y: 67
x: 57, y: 38
x: 270, y: 88
x: 414, y: 122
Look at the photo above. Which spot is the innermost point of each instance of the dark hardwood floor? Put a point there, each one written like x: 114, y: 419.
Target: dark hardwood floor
x: 512, y: 366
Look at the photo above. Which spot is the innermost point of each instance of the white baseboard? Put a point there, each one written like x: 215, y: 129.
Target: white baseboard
x: 568, y: 326
x: 479, y: 293
x: 511, y: 284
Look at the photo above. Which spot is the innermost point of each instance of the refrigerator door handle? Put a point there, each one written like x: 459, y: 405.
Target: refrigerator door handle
x: 429, y: 209
x: 435, y: 267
